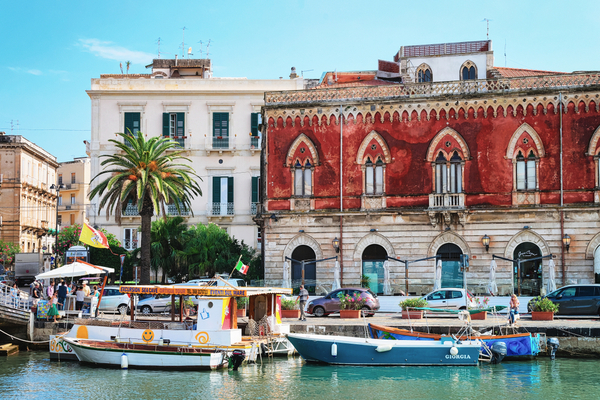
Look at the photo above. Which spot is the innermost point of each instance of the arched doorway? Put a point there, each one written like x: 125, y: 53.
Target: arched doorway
x: 373, y: 258
x: 304, y: 253
x: 530, y: 279
x: 452, y: 276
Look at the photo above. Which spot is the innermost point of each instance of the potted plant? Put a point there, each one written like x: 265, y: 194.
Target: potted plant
x: 543, y: 309
x: 188, y: 305
x: 290, y: 308
x: 407, y: 304
x: 350, y: 306
x: 242, y: 302
x: 480, y: 304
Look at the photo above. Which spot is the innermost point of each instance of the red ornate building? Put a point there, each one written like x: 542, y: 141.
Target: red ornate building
x: 429, y: 168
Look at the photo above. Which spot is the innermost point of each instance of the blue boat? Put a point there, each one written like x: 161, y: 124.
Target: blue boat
x: 517, y: 345
x: 346, y: 350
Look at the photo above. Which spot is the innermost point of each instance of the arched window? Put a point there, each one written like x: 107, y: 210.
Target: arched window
x: 373, y: 258
x: 468, y: 71
x: 526, y: 171
x: 302, y: 179
x: 374, y: 176
x: 424, y: 75
x: 448, y: 173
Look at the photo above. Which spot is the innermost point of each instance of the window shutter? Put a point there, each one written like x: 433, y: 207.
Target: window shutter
x: 255, y: 189
x: 216, y: 189
x: 230, y: 189
x: 132, y: 123
x: 221, y: 124
x: 180, y: 129
x: 166, y: 124
x: 254, y: 124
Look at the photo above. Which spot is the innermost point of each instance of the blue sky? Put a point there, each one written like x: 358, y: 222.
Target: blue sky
x: 51, y: 49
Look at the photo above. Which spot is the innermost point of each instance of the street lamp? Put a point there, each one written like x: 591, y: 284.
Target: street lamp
x: 336, y: 244
x: 485, y: 240
x: 567, y: 241
x: 57, y: 188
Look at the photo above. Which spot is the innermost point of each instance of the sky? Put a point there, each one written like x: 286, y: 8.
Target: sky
x: 51, y: 49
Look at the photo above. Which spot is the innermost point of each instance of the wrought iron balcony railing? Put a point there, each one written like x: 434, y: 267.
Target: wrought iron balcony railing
x: 221, y: 209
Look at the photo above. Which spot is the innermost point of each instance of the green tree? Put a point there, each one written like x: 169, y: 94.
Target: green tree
x: 7, y: 252
x: 146, y: 173
x: 69, y: 236
x: 167, y: 235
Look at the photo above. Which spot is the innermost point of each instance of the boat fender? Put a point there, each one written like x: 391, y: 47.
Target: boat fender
x: 334, y: 350
x: 453, y: 350
x: 161, y: 342
x: 124, y: 361
x: 383, y: 349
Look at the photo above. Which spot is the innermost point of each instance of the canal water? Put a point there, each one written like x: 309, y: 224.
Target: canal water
x: 33, y: 376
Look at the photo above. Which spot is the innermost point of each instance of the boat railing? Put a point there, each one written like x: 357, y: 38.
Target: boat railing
x: 167, y: 325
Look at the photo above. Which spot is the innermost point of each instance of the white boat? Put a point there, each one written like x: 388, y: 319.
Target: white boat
x: 216, y: 324
x: 126, y: 355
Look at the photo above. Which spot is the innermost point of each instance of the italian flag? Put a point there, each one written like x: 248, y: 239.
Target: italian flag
x: 240, y: 266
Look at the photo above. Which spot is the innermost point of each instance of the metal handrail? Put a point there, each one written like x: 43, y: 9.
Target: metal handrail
x: 14, y: 298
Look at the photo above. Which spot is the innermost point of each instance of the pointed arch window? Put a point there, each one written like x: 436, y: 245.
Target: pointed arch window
x: 468, y: 71
x: 526, y: 171
x: 374, y: 176
x: 303, y: 179
x: 448, y: 173
x: 424, y: 75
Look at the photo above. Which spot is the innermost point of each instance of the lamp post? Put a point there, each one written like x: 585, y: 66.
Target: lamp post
x: 567, y: 241
x: 485, y: 240
x: 57, y: 188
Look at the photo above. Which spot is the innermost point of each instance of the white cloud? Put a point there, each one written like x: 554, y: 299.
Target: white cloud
x: 112, y: 52
x: 34, y: 71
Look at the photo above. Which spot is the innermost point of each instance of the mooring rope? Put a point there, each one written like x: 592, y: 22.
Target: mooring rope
x: 28, y: 341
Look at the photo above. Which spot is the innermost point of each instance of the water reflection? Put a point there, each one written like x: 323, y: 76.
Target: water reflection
x: 34, y: 376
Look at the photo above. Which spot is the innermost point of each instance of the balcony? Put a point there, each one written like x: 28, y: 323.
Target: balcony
x: 254, y: 208
x: 255, y: 143
x: 130, y: 211
x: 373, y: 202
x: 180, y: 140
x: 130, y: 244
x: 447, y: 201
x: 219, y: 144
x: 221, y: 210
x: 172, y: 210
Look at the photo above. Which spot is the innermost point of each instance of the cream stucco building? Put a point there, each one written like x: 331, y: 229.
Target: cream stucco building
x: 215, y: 120
x: 73, y: 203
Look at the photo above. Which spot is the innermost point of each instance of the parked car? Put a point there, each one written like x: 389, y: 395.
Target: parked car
x: 159, y: 304
x: 113, y: 300
x: 5, y: 279
x: 330, y: 303
x: 449, y: 298
x: 575, y: 299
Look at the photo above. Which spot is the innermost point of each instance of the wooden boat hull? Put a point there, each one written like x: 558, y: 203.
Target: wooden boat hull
x: 145, y: 356
x: 345, y: 350
x: 517, y: 345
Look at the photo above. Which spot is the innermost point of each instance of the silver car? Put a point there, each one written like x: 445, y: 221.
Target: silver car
x: 159, y: 304
x: 449, y: 298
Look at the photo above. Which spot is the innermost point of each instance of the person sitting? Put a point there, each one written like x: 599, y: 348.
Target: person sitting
x: 513, y: 311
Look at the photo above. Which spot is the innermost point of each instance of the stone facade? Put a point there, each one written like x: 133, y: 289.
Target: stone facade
x: 73, y: 198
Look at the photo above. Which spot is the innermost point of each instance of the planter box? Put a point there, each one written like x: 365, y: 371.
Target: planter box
x: 412, y: 314
x: 349, y: 313
x: 290, y: 313
x: 241, y: 312
x: 479, y: 316
x: 542, y: 315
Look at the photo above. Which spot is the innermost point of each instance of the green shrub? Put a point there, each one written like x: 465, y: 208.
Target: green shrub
x: 289, y: 304
x: 412, y: 303
x: 354, y: 302
x: 242, y: 302
x: 544, y: 305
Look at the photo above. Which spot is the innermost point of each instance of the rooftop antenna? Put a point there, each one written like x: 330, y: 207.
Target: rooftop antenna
x: 488, y: 27
x: 159, y: 48
x: 306, y: 70
x: 183, y: 44
x: 200, y: 48
x: 207, y: 48
x: 505, y: 53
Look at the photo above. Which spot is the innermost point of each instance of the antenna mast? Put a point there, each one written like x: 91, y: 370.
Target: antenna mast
x: 207, y: 48
x: 183, y: 44
x: 159, y: 48
x: 488, y: 27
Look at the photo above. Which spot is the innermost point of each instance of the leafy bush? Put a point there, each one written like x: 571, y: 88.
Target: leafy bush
x: 354, y: 302
x: 479, y: 304
x: 544, y: 305
x: 412, y: 303
x: 289, y: 304
x: 187, y: 303
x: 242, y: 302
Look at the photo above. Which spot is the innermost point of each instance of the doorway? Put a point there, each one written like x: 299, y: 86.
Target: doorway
x: 527, y: 281
x: 452, y: 276
x: 373, y: 275
x: 304, y: 253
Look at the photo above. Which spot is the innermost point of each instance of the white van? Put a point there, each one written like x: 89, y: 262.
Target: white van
x: 217, y: 282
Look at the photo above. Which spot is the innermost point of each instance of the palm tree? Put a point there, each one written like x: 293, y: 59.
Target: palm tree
x: 166, y: 243
x: 147, y: 174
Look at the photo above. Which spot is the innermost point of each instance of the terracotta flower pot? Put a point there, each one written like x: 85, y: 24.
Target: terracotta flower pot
x: 290, y: 314
x: 542, y: 315
x: 479, y: 316
x: 349, y: 313
x: 412, y: 314
x: 241, y: 312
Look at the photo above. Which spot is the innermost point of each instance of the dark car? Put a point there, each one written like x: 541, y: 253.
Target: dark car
x: 575, y: 300
x: 329, y: 304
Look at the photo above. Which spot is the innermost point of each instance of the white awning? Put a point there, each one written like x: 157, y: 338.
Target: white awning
x: 74, y: 269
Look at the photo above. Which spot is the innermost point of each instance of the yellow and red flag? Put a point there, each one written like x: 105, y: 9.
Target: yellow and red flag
x: 93, y: 237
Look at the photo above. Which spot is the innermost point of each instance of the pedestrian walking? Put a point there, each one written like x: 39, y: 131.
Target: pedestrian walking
x: 36, y: 294
x: 86, y: 289
x: 53, y: 312
x: 62, y: 294
x: 50, y: 290
x: 303, y: 297
x: 79, y: 298
x: 513, y: 312
x: 15, y: 294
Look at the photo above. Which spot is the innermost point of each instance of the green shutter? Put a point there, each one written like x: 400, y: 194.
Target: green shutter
x: 166, y: 124
x: 216, y: 189
x: 132, y: 122
x: 221, y: 124
x: 230, y: 189
x: 254, y: 124
x: 180, y: 128
x: 255, y: 189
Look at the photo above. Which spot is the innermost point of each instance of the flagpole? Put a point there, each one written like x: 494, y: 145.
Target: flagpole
x: 239, y: 259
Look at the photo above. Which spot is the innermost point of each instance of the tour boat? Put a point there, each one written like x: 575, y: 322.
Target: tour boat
x: 517, y: 345
x: 156, y: 356
x: 216, y: 324
x: 346, y: 350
